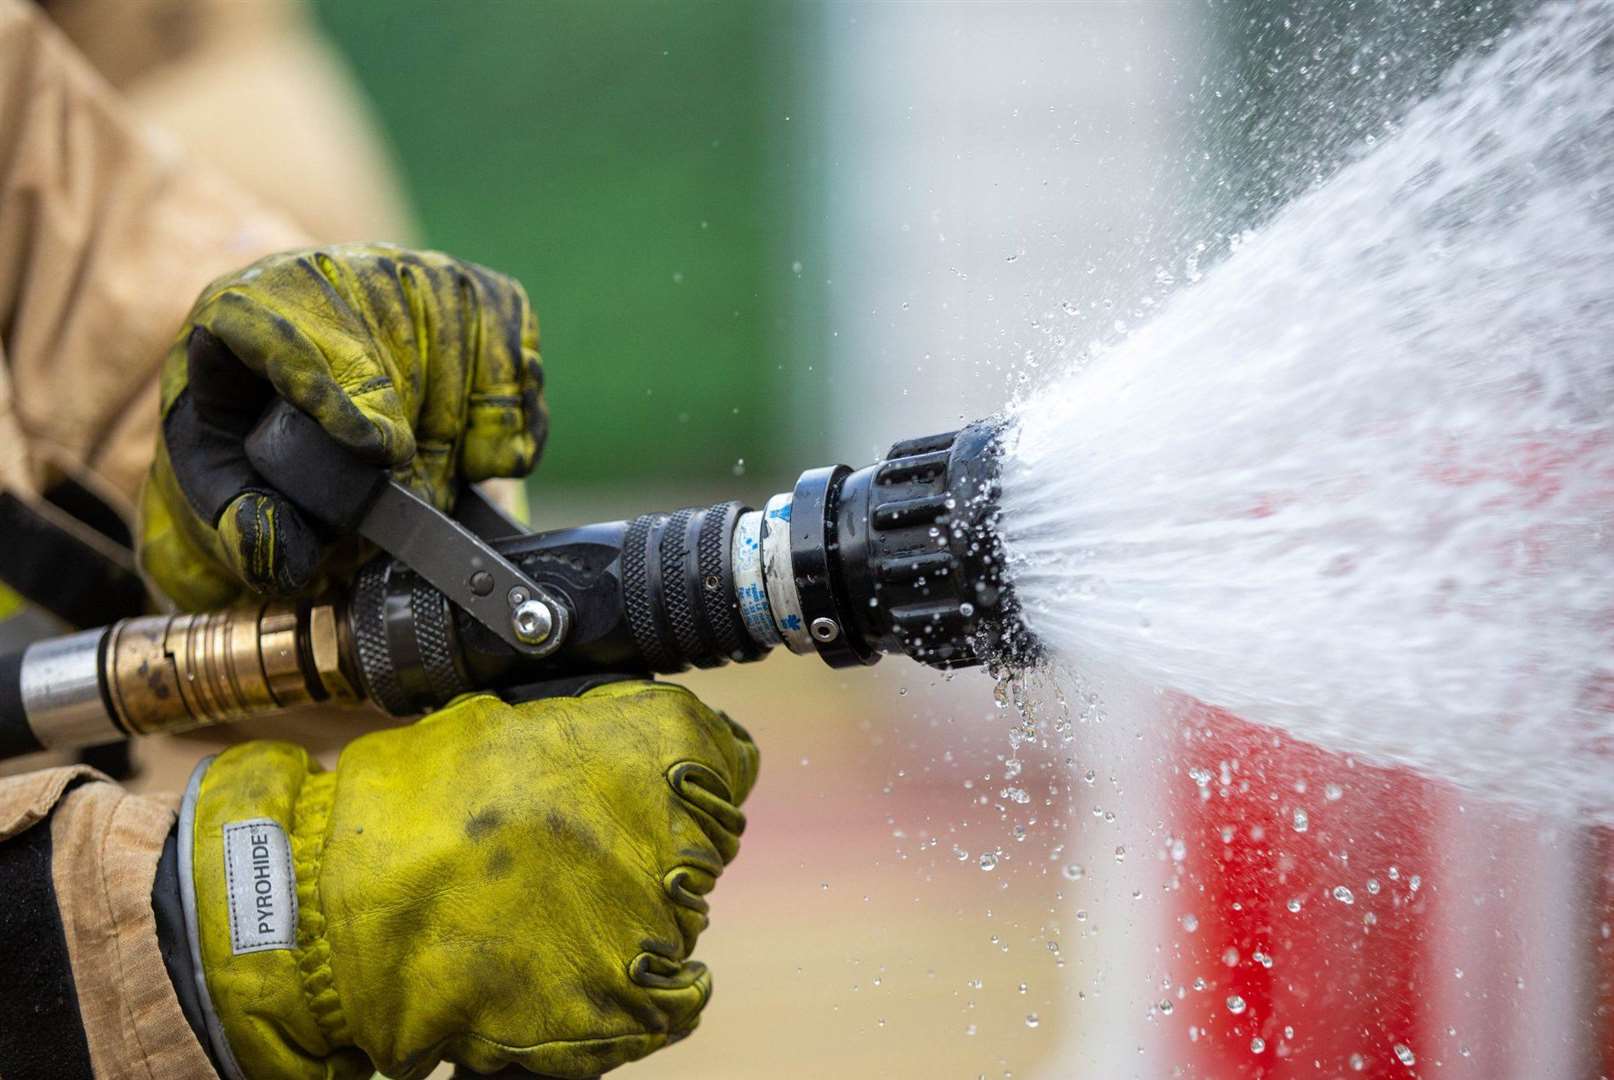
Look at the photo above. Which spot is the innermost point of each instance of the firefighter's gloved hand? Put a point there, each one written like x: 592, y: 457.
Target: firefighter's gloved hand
x: 413, y: 360
x: 496, y: 884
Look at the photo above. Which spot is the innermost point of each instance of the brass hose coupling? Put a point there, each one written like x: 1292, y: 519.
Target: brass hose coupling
x: 176, y: 672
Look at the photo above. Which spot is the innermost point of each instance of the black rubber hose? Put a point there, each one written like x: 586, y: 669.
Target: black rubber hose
x: 16, y: 737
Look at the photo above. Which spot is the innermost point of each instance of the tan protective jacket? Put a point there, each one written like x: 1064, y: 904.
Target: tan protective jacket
x: 107, y: 232
x: 105, y: 843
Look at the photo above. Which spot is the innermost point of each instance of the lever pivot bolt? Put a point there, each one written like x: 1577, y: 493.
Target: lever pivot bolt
x: 532, y: 621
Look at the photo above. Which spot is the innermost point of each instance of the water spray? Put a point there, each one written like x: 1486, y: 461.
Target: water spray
x: 901, y: 556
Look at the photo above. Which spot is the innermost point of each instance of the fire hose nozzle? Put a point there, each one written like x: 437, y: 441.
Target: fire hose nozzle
x: 901, y: 556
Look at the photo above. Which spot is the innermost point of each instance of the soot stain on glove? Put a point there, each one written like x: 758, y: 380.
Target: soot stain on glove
x: 573, y: 834
x: 284, y: 329
x: 500, y: 863
x: 482, y: 823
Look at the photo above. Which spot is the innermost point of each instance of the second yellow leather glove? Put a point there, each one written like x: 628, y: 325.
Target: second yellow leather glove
x: 413, y: 360
x: 495, y: 884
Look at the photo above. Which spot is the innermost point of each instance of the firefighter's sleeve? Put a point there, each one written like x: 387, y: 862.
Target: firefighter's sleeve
x: 107, y: 232
x: 92, y: 936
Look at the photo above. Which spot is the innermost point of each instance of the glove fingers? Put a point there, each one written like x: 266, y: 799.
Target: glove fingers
x: 679, y: 989
x: 443, y: 311
x: 727, y: 745
x: 687, y: 887
x: 505, y: 420
x: 746, y: 759
x: 269, y: 326
x: 706, y: 797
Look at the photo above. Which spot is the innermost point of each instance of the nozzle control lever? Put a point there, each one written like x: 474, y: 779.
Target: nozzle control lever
x: 296, y: 456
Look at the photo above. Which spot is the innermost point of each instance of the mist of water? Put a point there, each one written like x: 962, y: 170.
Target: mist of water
x: 1357, y: 482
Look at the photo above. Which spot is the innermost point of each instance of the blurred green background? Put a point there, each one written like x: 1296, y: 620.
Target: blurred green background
x: 623, y: 161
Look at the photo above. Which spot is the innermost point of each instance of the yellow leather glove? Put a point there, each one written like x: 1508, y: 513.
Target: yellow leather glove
x: 411, y: 359
x: 495, y: 884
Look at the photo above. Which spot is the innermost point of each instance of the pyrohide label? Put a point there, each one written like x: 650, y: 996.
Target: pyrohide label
x: 261, y: 886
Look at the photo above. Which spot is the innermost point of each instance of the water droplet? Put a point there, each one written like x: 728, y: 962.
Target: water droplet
x: 1302, y: 822
x: 1404, y: 1054
x: 989, y: 861
x: 1024, y: 988
x: 1235, y: 1004
x: 1344, y: 895
x: 1165, y: 1007
x: 1333, y: 792
x: 1072, y: 872
x: 1257, y: 1045
x: 1373, y: 886
x: 1190, y: 923
x: 1358, y: 1062
x: 1120, y: 853
x: 1294, y: 903
x: 1032, y: 1020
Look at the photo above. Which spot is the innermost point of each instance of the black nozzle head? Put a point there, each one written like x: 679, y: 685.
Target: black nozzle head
x: 918, y: 555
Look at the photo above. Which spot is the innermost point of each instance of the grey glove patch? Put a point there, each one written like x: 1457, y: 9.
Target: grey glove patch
x: 222, y: 1054
x: 261, y: 885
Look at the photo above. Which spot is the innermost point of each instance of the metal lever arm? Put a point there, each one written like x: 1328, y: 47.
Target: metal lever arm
x: 295, y: 456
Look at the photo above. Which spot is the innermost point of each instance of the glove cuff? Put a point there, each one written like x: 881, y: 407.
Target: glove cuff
x: 257, y: 834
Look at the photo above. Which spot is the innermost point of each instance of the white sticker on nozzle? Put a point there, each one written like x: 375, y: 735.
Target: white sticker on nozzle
x: 261, y: 885
x: 778, y: 571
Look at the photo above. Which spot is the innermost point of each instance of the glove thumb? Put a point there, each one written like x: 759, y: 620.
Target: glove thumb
x: 268, y: 543
x: 263, y: 539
